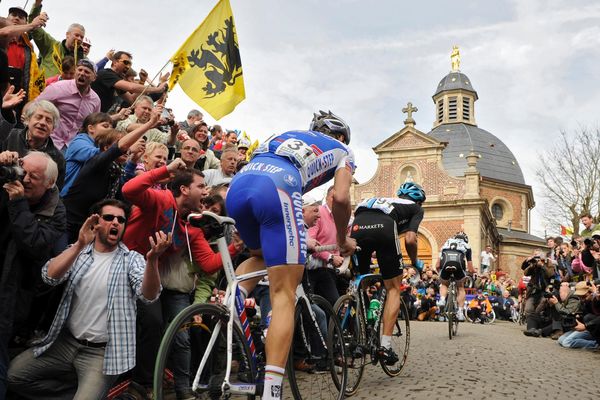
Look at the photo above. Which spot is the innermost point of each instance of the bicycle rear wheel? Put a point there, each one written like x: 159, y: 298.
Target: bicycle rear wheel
x: 451, y: 310
x: 352, y: 323
x: 400, y: 340
x: 183, y: 332
x: 327, y: 377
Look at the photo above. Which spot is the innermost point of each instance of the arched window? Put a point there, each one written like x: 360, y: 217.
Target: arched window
x: 497, y: 211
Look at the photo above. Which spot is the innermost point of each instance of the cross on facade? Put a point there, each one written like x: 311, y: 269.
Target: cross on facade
x: 409, y: 110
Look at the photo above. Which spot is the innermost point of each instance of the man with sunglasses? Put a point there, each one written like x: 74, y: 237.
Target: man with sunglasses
x: 92, y: 338
x: 112, y: 87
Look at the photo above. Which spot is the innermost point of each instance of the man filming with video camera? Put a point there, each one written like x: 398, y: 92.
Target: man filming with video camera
x: 33, y: 218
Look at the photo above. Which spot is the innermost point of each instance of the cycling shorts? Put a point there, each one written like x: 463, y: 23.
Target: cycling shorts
x: 376, y: 231
x: 265, y: 199
x: 457, y: 273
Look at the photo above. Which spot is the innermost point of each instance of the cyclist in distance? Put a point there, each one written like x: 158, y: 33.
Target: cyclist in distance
x: 376, y: 226
x: 265, y: 199
x: 456, y: 252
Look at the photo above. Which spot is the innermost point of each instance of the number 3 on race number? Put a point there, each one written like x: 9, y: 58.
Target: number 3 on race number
x: 297, y: 150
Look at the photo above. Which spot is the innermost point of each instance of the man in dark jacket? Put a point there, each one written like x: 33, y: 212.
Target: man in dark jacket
x: 32, y: 217
x: 41, y: 117
x: 540, y: 272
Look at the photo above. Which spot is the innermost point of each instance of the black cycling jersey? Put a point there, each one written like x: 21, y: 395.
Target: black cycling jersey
x: 407, y: 214
x: 377, y: 223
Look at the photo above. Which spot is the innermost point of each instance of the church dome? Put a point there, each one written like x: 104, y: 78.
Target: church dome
x: 496, y: 160
x: 455, y: 80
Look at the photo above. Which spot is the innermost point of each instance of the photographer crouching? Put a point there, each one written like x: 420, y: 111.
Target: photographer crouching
x: 552, y: 304
x: 33, y: 220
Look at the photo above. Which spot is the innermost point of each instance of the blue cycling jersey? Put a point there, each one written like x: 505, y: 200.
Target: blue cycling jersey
x: 316, y: 156
x: 265, y: 197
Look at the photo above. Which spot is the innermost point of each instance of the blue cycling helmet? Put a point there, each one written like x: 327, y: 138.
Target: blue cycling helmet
x: 412, y: 191
x: 330, y: 124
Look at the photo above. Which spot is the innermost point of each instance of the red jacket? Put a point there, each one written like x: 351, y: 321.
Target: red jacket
x: 154, y: 210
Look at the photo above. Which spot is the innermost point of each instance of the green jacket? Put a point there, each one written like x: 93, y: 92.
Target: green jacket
x: 52, y: 51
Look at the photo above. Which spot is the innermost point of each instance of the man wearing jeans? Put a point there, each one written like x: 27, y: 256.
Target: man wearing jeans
x: 92, y: 338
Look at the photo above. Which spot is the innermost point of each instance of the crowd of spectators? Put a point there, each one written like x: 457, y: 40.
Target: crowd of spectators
x: 561, y: 295
x: 92, y: 147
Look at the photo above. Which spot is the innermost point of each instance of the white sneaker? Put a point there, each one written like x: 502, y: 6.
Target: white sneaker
x: 460, y: 315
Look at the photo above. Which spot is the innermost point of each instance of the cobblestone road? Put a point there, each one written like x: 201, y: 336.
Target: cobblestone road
x: 485, y: 362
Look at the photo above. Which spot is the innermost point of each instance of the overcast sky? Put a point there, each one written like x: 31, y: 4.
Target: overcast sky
x: 533, y: 63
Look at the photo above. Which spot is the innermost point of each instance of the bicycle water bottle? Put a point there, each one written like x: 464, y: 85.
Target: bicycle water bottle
x: 373, y: 312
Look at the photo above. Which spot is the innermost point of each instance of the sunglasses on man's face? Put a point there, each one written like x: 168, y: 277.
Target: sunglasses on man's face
x: 111, y: 218
x: 126, y: 62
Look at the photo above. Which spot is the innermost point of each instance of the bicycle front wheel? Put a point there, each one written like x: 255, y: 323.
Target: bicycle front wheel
x: 352, y: 323
x: 187, y: 340
x: 400, y: 340
x: 316, y: 371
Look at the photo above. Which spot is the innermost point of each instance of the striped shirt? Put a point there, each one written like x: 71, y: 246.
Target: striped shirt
x: 124, y: 287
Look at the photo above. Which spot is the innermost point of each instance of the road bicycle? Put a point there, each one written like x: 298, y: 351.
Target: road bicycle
x: 224, y: 360
x: 360, y: 312
x: 451, y: 308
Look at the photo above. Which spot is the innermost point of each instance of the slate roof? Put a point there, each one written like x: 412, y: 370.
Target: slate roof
x: 520, y: 235
x: 453, y: 81
x: 496, y: 161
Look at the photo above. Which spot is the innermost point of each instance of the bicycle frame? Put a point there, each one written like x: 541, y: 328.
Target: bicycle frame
x: 235, y: 306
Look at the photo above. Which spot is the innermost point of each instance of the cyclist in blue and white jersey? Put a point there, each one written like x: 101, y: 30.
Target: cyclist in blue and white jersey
x: 265, y: 199
x: 456, y: 253
x: 376, y: 226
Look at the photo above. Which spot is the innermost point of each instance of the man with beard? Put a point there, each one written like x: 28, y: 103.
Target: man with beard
x: 75, y: 100
x: 92, y: 338
x: 40, y: 119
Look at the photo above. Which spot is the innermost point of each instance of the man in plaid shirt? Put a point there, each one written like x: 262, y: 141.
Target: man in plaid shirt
x: 92, y: 338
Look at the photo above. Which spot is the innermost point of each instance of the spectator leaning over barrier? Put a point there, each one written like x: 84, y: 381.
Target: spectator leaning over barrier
x: 53, y: 51
x: 32, y: 219
x: 75, y: 100
x: 227, y: 168
x: 167, y: 211
x: 92, y: 336
x: 41, y: 117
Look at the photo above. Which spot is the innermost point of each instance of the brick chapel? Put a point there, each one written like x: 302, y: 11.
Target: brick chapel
x: 472, y: 179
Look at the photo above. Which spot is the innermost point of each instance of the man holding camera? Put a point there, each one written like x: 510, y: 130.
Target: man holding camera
x: 33, y: 219
x: 540, y: 273
x: 141, y: 115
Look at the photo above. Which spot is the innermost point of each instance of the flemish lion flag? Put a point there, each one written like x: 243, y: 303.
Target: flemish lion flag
x: 208, y: 66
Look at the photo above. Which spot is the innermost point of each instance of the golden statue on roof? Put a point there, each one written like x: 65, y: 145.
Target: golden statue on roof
x: 455, y: 58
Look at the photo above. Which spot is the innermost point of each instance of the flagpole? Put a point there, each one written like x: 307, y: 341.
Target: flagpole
x: 147, y: 86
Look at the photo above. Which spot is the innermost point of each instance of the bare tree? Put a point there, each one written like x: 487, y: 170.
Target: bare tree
x: 570, y: 175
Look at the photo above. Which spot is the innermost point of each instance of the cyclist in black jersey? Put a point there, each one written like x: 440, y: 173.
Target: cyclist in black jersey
x: 455, y: 253
x: 376, y: 226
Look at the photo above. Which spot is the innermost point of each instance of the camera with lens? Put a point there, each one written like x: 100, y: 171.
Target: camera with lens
x: 551, y: 292
x: 11, y: 173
